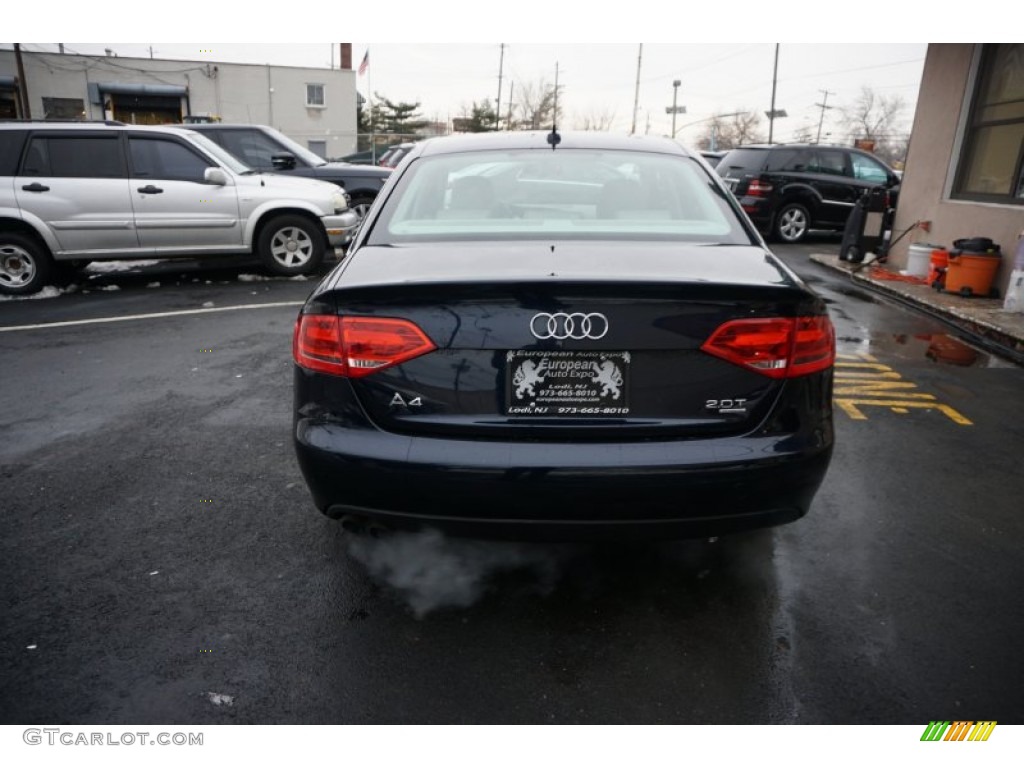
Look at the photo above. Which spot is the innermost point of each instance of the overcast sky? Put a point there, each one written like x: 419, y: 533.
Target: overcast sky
x: 598, y: 67
x: 600, y: 78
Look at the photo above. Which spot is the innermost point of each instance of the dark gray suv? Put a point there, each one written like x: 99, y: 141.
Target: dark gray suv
x: 268, y: 150
x: 790, y: 189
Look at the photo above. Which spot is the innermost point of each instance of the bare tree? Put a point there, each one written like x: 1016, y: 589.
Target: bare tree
x: 594, y: 120
x: 728, y: 131
x: 535, y: 105
x: 875, y: 117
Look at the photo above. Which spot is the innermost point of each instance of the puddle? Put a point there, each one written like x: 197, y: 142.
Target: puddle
x: 938, y: 348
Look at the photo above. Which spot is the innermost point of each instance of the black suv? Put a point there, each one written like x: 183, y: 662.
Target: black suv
x: 269, y: 150
x: 790, y: 189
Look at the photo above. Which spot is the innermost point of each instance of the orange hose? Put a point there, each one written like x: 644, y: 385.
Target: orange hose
x: 877, y: 273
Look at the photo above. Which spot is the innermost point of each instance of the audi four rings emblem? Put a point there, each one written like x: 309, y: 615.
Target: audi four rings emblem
x: 562, y: 325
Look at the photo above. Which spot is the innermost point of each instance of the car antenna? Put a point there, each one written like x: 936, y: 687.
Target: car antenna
x: 553, y: 138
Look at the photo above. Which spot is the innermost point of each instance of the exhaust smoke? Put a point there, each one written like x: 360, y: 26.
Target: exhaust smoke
x: 430, y: 571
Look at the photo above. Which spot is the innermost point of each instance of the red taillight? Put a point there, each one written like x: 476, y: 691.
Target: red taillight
x: 779, y: 347
x: 356, y: 346
x: 316, y: 344
x: 814, y: 348
x: 759, y: 188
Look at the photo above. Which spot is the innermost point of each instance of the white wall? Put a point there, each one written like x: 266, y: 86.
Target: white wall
x: 932, y: 158
x: 238, y: 93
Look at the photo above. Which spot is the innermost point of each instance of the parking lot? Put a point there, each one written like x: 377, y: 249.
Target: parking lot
x: 163, y: 562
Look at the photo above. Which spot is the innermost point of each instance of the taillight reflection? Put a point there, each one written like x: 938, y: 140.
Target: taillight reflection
x: 356, y: 346
x: 779, y: 347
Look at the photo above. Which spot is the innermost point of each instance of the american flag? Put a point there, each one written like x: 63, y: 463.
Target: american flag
x: 366, y: 63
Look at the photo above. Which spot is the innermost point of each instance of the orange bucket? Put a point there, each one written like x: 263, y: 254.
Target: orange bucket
x: 939, y: 262
x: 971, y: 274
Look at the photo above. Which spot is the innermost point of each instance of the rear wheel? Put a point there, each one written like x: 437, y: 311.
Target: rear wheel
x: 291, y: 245
x: 792, y: 223
x: 25, y: 264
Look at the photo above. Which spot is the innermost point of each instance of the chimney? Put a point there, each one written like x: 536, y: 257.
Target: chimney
x: 346, y: 55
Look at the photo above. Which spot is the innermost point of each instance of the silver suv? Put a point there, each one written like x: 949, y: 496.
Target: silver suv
x: 77, y: 192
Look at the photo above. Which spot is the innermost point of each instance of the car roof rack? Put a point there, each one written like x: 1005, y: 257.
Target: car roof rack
x: 53, y: 120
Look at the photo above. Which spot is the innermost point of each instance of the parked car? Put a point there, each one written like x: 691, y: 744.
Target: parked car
x: 395, y: 154
x: 73, y: 192
x: 599, y: 345
x: 268, y: 150
x: 790, y: 189
x: 713, y: 157
x: 367, y: 157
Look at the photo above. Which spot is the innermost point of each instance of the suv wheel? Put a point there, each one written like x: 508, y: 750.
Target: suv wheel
x: 360, y: 205
x: 792, y: 223
x: 291, y: 245
x: 25, y: 265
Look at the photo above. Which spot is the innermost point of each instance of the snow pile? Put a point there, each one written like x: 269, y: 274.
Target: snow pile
x: 48, y: 292
x: 107, y: 267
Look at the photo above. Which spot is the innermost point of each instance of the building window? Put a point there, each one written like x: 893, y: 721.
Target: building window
x: 314, y: 94
x: 63, y: 109
x: 992, y: 161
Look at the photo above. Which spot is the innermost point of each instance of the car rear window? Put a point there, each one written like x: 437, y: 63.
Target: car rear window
x: 565, y: 194
x: 76, y: 156
x: 743, y: 160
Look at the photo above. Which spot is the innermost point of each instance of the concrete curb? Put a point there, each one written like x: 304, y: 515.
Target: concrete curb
x: 982, y: 318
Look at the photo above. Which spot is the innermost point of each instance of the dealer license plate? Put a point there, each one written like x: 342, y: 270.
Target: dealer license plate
x: 567, y: 383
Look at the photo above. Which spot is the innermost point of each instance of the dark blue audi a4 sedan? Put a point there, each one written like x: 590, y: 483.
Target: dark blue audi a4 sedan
x: 569, y: 336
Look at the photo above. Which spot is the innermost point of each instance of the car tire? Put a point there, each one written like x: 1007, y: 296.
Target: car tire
x: 25, y: 264
x: 361, y: 205
x: 291, y: 245
x: 792, y: 223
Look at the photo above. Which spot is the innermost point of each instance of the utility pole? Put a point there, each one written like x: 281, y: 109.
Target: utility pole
x: 775, y: 80
x: 636, y: 96
x: 511, y: 90
x: 501, y: 72
x: 26, y: 110
x: 554, y: 112
x: 824, y: 106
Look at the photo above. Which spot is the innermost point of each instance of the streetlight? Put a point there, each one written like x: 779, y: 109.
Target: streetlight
x: 675, y: 110
x: 771, y: 114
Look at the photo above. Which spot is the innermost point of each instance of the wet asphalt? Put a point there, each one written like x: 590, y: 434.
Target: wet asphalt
x: 161, y: 561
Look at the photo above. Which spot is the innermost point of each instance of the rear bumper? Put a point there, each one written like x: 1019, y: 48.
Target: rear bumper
x: 522, y: 490
x: 760, y: 211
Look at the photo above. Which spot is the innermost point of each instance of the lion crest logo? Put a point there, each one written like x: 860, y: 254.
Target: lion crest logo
x: 529, y: 375
x: 609, y: 377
